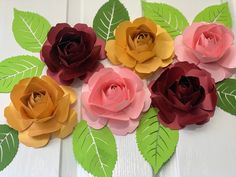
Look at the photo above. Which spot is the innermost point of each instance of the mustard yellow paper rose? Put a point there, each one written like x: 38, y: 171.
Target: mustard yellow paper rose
x: 41, y: 109
x: 141, y: 45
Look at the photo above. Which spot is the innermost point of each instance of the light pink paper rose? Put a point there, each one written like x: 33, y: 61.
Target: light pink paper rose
x: 115, y: 97
x: 210, y: 46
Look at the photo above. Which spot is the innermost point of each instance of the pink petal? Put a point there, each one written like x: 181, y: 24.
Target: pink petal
x: 184, y: 53
x: 189, y: 33
x: 148, y: 100
x: 123, y: 127
x: 92, y: 120
x: 217, y: 72
x: 229, y: 59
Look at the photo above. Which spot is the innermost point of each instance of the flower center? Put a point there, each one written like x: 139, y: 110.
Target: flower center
x: 37, y: 96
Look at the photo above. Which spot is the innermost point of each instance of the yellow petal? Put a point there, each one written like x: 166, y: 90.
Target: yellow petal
x: 164, y: 47
x: 149, y: 66
x: 124, y: 58
x: 142, y: 56
x: 111, y: 53
x: 71, y: 92
x: 121, y: 33
x: 147, y: 22
x: 167, y: 62
x: 68, y: 127
x: 14, y: 119
x: 144, y: 75
x: 36, y: 142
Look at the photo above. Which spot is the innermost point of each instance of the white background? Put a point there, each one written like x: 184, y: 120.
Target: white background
x: 203, y: 151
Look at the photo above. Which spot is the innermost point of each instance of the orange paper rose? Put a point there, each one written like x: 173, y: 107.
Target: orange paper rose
x: 141, y: 45
x: 41, y: 109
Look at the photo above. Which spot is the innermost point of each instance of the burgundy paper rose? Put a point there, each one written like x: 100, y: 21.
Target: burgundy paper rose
x: 184, y: 94
x: 72, y: 52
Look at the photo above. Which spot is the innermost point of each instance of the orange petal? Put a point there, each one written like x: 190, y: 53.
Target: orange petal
x: 62, y: 110
x: 71, y: 92
x: 14, y: 119
x: 37, y: 129
x: 18, y: 91
x: 164, y: 47
x: 167, y: 62
x: 68, y: 126
x: 124, y: 58
x: 144, y: 75
x: 111, y: 53
x: 147, y: 22
x: 36, y: 142
x: 121, y: 33
x: 149, y: 66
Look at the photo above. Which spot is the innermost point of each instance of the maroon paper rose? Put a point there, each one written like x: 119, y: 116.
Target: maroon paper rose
x: 72, y: 52
x: 184, y: 94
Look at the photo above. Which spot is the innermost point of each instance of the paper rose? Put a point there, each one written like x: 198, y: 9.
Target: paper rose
x: 141, y: 45
x: 115, y: 97
x: 72, y: 52
x: 41, y: 109
x: 210, y: 46
x: 184, y: 94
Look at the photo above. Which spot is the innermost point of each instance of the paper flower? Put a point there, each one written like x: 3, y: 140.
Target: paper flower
x: 115, y: 97
x: 140, y: 45
x: 40, y: 109
x: 184, y: 94
x: 210, y: 46
x: 72, y: 52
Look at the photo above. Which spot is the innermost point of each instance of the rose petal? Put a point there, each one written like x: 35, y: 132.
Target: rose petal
x: 35, y: 142
x: 52, y: 34
x: 101, y: 43
x: 229, y: 59
x: 149, y: 65
x: 143, y: 21
x: 120, y: 33
x: 111, y: 54
x: 184, y: 53
x: 122, y: 127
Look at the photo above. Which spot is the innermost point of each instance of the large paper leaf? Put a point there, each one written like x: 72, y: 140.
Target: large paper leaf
x: 8, y: 145
x: 226, y: 91
x: 30, y: 30
x: 166, y: 16
x: 13, y: 69
x: 108, y: 17
x: 94, y: 149
x: 155, y: 142
x: 217, y: 13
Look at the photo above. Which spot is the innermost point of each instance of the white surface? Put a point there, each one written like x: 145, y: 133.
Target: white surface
x: 203, y: 151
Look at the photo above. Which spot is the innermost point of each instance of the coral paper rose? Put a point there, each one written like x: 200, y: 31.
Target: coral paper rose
x: 184, y: 94
x: 41, y: 109
x: 210, y: 46
x: 72, y: 52
x: 115, y: 97
x: 141, y: 45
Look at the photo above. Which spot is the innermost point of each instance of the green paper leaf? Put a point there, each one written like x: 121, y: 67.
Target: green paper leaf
x: 155, y: 142
x: 108, y: 17
x: 13, y: 69
x: 226, y: 91
x: 95, y: 149
x: 217, y: 13
x: 30, y: 30
x: 166, y: 16
x: 8, y: 145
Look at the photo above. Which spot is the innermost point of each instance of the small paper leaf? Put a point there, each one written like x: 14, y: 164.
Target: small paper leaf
x: 108, y: 17
x: 30, y: 30
x: 217, y: 13
x: 166, y: 16
x: 226, y: 91
x: 13, y: 69
x: 8, y: 145
x: 95, y: 149
x: 155, y: 142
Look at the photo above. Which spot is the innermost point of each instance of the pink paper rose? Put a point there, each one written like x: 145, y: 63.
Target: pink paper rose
x: 210, y: 46
x: 115, y: 97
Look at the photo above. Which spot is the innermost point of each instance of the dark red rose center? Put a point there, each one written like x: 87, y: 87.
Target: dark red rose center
x: 188, y: 90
